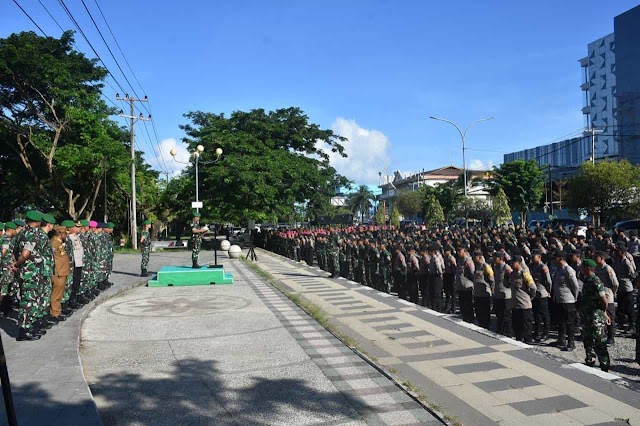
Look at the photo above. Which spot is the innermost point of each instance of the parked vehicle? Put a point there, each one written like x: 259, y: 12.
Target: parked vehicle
x: 628, y: 226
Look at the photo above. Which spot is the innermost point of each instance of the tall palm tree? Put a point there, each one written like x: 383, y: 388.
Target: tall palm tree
x: 360, y: 201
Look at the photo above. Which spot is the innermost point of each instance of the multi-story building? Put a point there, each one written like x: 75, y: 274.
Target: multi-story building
x: 611, y: 88
x: 627, y: 70
x: 392, y: 187
x: 599, y: 86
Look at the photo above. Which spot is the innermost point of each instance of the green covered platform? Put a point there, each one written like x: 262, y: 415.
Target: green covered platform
x: 176, y: 276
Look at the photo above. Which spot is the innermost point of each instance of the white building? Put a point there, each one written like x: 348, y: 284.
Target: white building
x: 391, y: 188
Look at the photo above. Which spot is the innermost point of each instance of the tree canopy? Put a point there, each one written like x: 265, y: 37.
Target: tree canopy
x: 56, y: 135
x: 410, y: 203
x: 522, y: 182
x: 604, y: 188
x: 360, y: 201
x: 432, y: 211
x: 271, y: 161
x: 500, y: 208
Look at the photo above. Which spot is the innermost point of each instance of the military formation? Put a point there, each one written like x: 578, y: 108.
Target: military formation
x: 49, y: 270
x: 532, y: 281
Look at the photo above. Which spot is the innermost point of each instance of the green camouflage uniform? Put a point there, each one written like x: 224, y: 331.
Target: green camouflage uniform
x: 361, y: 270
x: 87, y: 271
x: 30, y: 275
x: 374, y: 268
x: 334, y: 261
x: 196, y: 242
x: 6, y: 277
x: 594, y: 327
x: 145, y: 248
x: 102, y: 244
x: 47, y: 272
x: 385, y: 271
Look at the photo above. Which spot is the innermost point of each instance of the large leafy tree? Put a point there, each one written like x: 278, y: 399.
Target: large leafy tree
x: 381, y: 215
x: 523, y: 183
x: 394, y: 218
x: 604, y: 188
x: 360, y: 200
x: 271, y: 161
x: 432, y: 211
x: 500, y: 208
x: 56, y: 135
x: 410, y: 203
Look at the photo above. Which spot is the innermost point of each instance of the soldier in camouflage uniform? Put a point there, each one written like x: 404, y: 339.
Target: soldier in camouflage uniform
x: 385, y: 269
x: 83, y: 292
x: 110, y: 251
x: 361, y: 268
x: 145, y: 248
x: 197, y: 231
x: 7, y: 261
x: 374, y: 266
x: 45, y: 285
x: 594, y: 317
x: 30, y: 264
x: 353, y: 259
x: 333, y: 255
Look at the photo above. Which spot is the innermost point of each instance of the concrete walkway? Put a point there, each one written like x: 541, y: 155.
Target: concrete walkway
x: 470, y: 373
x: 46, y: 377
x: 239, y: 354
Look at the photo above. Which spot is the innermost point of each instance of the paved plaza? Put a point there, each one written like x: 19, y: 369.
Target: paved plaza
x: 240, y: 354
x: 476, y: 376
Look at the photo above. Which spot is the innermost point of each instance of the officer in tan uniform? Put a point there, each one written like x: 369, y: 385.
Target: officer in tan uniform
x: 62, y: 270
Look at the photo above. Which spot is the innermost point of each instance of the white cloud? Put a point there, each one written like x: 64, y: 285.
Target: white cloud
x: 480, y: 165
x: 182, y: 156
x: 367, y: 152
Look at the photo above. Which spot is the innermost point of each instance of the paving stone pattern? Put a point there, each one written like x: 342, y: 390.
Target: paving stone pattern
x: 478, y: 378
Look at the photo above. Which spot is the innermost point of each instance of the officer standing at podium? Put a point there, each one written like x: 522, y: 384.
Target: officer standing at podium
x: 197, y: 231
x: 145, y: 247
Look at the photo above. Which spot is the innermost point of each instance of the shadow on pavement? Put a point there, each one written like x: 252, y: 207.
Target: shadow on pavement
x: 195, y: 393
x: 9, y: 323
x: 36, y: 406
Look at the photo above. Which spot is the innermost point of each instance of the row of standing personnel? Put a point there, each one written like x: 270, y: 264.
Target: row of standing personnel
x: 530, y: 288
x: 48, y: 271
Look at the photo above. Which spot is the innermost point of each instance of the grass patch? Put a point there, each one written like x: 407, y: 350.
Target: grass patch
x: 125, y: 250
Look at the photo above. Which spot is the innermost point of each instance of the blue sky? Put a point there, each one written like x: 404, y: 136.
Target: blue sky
x: 373, y: 70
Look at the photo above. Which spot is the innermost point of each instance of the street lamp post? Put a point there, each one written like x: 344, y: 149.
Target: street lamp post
x: 196, y: 155
x: 593, y: 132
x: 463, y: 135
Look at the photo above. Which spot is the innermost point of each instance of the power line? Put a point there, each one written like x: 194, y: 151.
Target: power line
x: 73, y: 20
x: 30, y: 18
x: 50, y: 15
x: 119, y: 48
x: 155, y: 131
x: 77, y: 25
x: 109, y: 49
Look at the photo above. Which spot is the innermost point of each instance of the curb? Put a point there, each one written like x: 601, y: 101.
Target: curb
x: 88, y: 308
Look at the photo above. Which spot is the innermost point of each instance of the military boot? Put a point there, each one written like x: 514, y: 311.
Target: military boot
x: 196, y: 266
x: 26, y: 335
x: 611, y: 332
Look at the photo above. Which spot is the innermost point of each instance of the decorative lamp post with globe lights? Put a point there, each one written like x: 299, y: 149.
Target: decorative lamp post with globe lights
x: 196, y: 155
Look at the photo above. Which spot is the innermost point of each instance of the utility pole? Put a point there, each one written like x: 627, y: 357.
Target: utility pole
x: 593, y: 132
x: 106, y: 217
x: 133, y: 118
